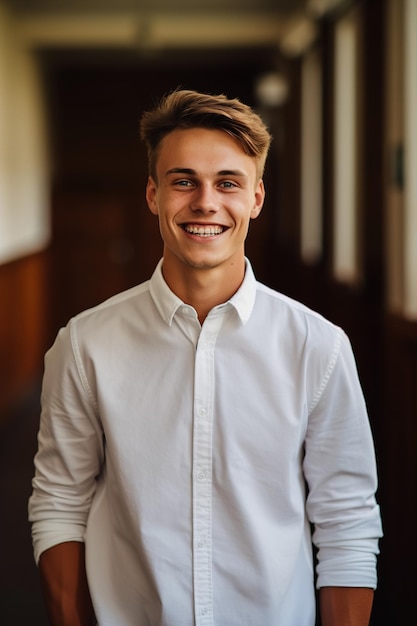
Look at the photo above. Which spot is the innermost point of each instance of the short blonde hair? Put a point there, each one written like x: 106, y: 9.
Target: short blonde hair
x: 182, y: 109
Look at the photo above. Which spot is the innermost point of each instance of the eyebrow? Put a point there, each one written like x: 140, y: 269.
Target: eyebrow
x: 190, y: 172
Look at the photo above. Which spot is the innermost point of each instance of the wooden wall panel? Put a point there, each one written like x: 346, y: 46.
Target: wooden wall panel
x: 23, y: 327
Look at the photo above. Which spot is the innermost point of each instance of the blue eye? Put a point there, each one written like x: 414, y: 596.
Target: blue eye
x: 227, y: 184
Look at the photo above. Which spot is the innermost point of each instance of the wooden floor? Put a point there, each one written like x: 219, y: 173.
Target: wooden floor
x: 21, y: 601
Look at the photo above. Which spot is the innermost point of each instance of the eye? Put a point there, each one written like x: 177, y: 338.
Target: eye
x: 183, y: 183
x: 227, y: 184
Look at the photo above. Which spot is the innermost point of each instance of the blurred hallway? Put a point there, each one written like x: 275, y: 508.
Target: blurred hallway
x: 338, y: 231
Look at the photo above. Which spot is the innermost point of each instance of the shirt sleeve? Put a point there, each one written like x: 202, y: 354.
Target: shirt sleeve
x: 70, y: 449
x: 341, y: 475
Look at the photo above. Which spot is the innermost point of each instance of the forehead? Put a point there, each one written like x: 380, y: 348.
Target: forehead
x: 192, y: 146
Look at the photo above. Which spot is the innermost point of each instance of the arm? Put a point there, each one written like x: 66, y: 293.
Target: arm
x: 64, y: 584
x: 345, y: 606
x: 67, y: 462
x: 341, y: 473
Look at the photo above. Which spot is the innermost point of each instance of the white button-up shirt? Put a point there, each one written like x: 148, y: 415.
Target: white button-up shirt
x: 194, y: 460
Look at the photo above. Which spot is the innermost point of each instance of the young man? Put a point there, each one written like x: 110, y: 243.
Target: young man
x: 196, y: 427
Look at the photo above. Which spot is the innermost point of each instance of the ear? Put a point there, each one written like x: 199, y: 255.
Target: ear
x: 259, y: 199
x: 151, y: 193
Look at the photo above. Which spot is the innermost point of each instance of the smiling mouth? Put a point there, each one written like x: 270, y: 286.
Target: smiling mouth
x: 203, y: 231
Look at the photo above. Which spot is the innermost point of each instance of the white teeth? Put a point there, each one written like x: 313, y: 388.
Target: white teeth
x: 203, y: 231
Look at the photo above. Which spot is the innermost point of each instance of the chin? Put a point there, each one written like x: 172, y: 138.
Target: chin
x: 204, y: 264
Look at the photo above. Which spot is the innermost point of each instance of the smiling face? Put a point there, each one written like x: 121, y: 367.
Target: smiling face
x: 205, y: 195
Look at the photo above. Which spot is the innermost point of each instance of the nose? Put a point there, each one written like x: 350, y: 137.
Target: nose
x: 205, y: 200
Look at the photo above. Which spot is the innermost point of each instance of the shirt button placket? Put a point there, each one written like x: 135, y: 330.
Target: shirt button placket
x: 202, y: 473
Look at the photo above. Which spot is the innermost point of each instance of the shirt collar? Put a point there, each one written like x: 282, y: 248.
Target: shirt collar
x: 244, y: 298
x: 168, y: 303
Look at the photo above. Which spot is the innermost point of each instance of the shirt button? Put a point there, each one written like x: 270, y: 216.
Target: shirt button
x: 201, y: 543
x: 203, y: 611
x: 201, y: 475
x: 202, y: 412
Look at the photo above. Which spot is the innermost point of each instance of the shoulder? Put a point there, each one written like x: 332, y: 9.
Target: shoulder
x: 114, y: 311
x: 116, y: 304
x: 302, y: 335
x: 109, y: 320
x: 294, y: 316
x: 318, y: 347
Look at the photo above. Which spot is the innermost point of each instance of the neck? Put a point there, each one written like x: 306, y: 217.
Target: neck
x: 203, y: 289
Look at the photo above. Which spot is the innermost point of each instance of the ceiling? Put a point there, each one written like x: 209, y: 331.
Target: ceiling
x: 277, y: 7
x: 164, y: 24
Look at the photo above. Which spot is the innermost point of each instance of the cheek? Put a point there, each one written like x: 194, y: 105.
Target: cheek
x: 166, y: 218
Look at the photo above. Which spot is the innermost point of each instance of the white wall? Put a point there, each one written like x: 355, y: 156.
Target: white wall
x: 24, y: 168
